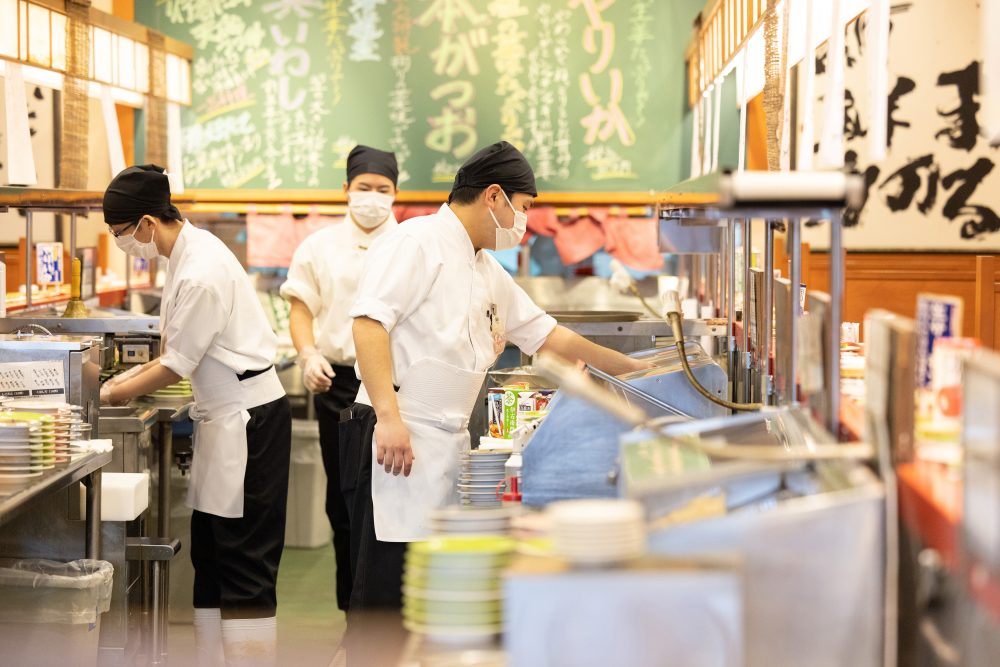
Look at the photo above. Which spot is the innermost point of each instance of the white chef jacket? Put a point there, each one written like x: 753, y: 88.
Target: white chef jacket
x: 210, y: 309
x: 439, y: 298
x: 324, y: 276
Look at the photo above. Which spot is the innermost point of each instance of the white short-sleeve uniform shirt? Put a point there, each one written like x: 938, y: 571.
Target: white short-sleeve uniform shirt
x: 324, y: 275
x: 439, y: 298
x: 210, y: 309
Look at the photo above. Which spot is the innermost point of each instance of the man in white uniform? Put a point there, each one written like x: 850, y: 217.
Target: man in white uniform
x: 322, y: 284
x: 214, y: 331
x: 433, y: 313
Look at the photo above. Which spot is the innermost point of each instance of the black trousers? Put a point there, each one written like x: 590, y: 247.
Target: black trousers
x: 236, y: 560
x: 375, y: 634
x: 341, y: 395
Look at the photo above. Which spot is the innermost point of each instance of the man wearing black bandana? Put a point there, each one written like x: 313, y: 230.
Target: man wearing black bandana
x: 321, y: 286
x: 433, y: 313
x: 214, y: 331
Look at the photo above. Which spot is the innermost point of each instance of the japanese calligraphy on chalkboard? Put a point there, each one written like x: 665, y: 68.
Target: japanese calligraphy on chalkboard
x: 939, y: 185
x: 283, y: 89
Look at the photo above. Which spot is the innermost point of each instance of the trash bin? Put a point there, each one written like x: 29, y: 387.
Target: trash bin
x: 306, y: 524
x: 50, y: 612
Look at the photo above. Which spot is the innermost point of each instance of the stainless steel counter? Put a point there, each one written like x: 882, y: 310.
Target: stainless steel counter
x: 15, y: 497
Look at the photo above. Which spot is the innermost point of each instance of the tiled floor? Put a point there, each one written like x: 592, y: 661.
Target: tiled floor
x: 309, y: 624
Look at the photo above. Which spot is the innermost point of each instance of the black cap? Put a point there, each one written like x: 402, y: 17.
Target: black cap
x: 498, y: 163
x: 368, y: 160
x: 137, y: 191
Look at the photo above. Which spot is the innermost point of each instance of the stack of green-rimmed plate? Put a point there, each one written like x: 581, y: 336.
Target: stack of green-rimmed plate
x: 19, y: 459
x: 179, y: 390
x: 41, y: 432
x: 452, y: 590
x: 65, y: 417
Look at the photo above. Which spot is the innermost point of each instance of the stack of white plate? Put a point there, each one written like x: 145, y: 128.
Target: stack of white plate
x: 471, y: 521
x: 598, y: 532
x: 452, y: 589
x: 19, y: 457
x: 480, y: 476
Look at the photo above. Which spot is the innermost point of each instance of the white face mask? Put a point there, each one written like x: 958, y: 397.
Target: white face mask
x: 369, y: 208
x: 510, y: 238
x: 133, y: 246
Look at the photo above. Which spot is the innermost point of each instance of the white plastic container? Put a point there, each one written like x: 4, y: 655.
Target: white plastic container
x: 124, y: 495
x: 306, y: 524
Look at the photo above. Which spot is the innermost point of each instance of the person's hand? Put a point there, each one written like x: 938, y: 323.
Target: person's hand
x: 392, y: 446
x: 317, y: 374
x: 106, y: 394
x: 640, y: 364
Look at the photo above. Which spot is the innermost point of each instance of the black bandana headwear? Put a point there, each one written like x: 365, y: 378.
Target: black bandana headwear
x: 367, y: 160
x: 137, y: 191
x: 498, y: 163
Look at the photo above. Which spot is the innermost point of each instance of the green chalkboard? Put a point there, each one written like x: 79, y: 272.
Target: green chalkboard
x: 590, y: 90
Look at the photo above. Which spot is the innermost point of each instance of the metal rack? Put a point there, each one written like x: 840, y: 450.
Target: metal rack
x: 728, y: 202
x: 57, y: 200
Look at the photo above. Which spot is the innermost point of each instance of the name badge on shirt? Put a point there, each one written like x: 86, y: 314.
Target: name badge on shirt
x: 497, y: 330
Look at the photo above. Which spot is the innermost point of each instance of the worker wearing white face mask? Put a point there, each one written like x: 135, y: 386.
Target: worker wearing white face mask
x: 433, y: 314
x: 321, y: 286
x: 214, y: 331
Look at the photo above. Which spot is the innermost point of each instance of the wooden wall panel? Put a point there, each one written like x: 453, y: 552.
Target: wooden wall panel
x: 893, y: 280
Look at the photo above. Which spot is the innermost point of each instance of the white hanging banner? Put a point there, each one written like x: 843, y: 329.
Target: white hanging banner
x: 878, y: 78
x: 989, y: 21
x: 20, y: 158
x: 831, y: 144
x: 175, y: 172
x: 695, y: 141
x: 742, y: 73
x: 716, y: 121
x: 806, y: 139
x: 706, y: 159
x: 116, y: 154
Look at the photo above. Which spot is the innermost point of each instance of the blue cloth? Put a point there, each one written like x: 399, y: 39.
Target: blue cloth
x: 571, y: 454
x: 602, y: 267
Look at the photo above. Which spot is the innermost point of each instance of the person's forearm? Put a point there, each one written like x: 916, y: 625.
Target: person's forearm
x: 300, y: 326
x: 133, y: 372
x: 575, y: 347
x: 371, y: 343
x: 155, y: 377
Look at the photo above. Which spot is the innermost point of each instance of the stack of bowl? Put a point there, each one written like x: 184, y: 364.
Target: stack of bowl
x: 452, y: 590
x: 480, y: 476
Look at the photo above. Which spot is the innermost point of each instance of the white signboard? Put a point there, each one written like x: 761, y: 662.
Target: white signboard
x: 45, y: 380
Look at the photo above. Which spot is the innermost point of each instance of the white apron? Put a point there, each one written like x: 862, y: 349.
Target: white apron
x: 435, y: 401
x: 220, y: 416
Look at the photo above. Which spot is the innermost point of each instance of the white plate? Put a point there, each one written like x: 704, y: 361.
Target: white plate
x: 443, y: 634
x: 29, y: 475
x: 452, y: 596
x: 595, y: 511
x: 460, y: 514
x: 492, y: 524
